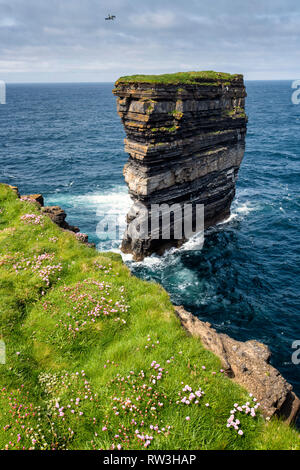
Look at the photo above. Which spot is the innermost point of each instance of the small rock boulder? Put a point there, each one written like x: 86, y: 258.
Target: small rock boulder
x: 37, y: 198
x: 56, y: 214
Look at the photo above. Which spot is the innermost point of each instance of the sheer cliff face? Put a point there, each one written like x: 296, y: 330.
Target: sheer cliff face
x: 186, y: 142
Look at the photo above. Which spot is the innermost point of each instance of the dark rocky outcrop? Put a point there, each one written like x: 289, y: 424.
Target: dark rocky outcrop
x: 15, y: 189
x: 248, y: 364
x: 56, y: 214
x: 38, y: 198
x: 186, y: 142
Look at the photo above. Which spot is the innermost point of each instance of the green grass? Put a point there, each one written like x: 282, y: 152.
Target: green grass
x: 164, y: 129
x: 206, y: 78
x: 237, y: 112
x: 81, y: 334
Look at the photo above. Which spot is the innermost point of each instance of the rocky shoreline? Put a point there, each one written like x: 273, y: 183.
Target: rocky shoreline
x: 247, y: 363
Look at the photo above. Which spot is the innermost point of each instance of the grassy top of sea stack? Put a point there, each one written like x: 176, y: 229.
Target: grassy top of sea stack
x: 189, y: 78
x: 97, y: 359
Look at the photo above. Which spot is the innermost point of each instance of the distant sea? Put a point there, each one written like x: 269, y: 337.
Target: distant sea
x: 66, y: 141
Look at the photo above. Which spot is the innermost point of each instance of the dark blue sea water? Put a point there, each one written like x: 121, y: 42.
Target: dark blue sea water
x: 66, y: 141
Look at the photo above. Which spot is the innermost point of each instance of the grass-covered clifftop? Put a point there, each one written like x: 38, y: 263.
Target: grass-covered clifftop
x: 97, y: 359
x: 190, y: 78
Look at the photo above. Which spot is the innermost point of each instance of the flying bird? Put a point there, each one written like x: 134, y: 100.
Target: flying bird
x: 110, y: 17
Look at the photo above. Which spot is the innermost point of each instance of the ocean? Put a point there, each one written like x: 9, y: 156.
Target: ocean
x: 66, y: 142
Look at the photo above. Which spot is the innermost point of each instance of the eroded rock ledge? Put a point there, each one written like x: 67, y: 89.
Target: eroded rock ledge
x: 186, y: 140
x: 56, y: 214
x: 248, y: 364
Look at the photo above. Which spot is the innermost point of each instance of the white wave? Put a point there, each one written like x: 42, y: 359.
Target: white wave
x: 126, y: 257
x: 229, y: 219
x: 239, y: 211
x: 115, y: 201
x: 195, y: 243
x: 244, y: 209
x: 149, y: 261
x: 168, y: 258
x: 153, y: 260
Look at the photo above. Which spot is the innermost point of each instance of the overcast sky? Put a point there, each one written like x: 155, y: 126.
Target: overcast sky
x: 70, y: 41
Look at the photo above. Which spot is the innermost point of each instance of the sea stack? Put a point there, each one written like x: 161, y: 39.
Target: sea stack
x: 185, y: 136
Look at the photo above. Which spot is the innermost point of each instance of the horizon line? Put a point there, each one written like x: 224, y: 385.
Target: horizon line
x: 112, y: 82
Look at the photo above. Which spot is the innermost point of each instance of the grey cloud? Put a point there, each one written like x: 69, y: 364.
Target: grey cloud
x: 69, y: 40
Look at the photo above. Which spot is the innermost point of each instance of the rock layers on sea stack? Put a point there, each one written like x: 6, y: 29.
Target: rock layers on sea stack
x: 186, y: 140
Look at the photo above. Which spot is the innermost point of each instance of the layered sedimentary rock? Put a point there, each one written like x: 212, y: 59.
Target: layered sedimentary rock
x: 186, y: 140
x: 248, y: 364
x: 58, y: 216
